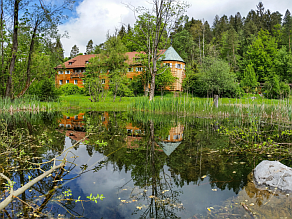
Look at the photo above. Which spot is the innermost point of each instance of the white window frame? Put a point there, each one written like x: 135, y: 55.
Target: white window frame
x: 70, y: 63
x: 60, y: 82
x: 60, y: 72
x: 86, y: 62
x: 67, y: 72
x: 67, y: 82
x: 103, y: 81
x: 178, y: 66
x: 75, y: 82
x: 139, y: 69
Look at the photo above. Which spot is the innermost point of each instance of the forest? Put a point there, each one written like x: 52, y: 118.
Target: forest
x: 232, y: 56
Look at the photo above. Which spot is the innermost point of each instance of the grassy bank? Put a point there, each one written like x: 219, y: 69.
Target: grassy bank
x: 249, y: 106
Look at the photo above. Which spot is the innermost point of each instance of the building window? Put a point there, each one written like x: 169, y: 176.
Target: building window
x: 129, y: 69
x: 67, y: 72
x: 67, y: 81
x: 86, y: 62
x: 70, y: 63
x: 68, y: 126
x: 75, y: 81
x: 75, y: 117
x: 61, y: 82
x: 103, y: 81
x: 60, y: 72
x: 139, y: 69
x: 169, y: 64
x: 83, y: 81
x: 178, y: 66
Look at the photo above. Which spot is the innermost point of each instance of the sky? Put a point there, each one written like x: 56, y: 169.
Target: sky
x: 93, y: 19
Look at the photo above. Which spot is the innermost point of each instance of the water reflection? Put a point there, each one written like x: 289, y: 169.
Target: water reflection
x: 153, y: 166
x: 154, y: 169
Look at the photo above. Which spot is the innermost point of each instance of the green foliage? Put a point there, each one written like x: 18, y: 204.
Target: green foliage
x: 164, y: 80
x: 45, y: 90
x: 262, y: 53
x: 94, y: 198
x: 249, y: 81
x: 275, y: 89
x: 70, y: 89
x: 216, y: 78
x: 184, y: 45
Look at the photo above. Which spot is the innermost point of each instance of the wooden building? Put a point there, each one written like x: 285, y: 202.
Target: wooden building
x: 72, y: 70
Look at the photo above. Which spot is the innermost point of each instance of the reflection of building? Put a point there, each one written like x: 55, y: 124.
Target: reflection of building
x: 173, y: 140
x: 73, y: 122
x: 74, y: 126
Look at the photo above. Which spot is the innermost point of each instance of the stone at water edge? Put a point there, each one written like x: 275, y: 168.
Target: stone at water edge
x: 273, y: 174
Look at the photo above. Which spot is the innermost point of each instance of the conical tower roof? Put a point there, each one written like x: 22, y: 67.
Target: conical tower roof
x: 169, y: 147
x: 171, y: 55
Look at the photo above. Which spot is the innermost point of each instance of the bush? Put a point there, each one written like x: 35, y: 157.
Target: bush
x: 274, y: 89
x: 214, y: 77
x: 45, y: 90
x: 71, y: 89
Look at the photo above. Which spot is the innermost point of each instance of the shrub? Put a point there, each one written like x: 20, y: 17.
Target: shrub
x: 70, y: 89
x: 45, y: 90
x: 275, y: 89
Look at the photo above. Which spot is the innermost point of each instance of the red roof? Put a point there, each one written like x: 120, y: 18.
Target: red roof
x: 77, y: 62
x: 80, y: 61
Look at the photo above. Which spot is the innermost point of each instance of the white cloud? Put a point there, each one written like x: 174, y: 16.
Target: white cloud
x: 94, y: 18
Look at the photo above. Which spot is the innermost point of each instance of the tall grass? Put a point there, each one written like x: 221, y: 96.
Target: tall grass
x: 26, y: 103
x: 252, y: 109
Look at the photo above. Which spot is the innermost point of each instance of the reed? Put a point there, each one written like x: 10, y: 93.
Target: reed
x: 245, y: 108
x: 26, y: 103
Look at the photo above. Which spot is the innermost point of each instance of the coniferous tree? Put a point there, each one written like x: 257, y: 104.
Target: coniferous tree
x: 74, y: 51
x: 287, y: 29
x: 89, y: 47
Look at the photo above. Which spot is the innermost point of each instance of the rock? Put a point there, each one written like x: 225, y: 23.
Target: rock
x: 274, y: 175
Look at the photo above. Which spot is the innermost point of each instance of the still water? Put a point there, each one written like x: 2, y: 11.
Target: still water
x: 151, y: 166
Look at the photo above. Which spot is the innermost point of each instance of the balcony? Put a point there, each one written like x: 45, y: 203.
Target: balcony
x: 76, y: 75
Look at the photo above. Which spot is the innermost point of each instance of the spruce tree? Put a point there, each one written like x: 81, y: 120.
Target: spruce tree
x: 89, y: 47
x: 74, y: 51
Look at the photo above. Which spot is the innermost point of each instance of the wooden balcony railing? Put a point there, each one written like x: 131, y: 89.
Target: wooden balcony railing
x: 76, y: 75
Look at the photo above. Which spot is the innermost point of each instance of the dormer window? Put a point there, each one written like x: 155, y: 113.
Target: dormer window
x: 86, y: 62
x: 70, y: 63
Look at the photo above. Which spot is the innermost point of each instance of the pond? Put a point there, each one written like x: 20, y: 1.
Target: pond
x: 145, y: 165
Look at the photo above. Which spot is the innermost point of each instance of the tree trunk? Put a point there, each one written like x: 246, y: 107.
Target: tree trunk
x: 9, y: 86
x: 146, y: 91
x: 2, y: 78
x: 152, y: 88
x: 28, y: 76
x: 203, y: 38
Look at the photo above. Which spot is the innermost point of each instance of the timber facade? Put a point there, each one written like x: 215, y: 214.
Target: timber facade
x: 72, y: 71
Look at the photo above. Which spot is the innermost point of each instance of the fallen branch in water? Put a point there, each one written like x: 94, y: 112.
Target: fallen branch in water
x: 22, y: 189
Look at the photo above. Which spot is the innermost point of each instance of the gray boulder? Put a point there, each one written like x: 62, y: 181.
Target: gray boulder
x: 274, y: 175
